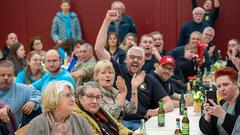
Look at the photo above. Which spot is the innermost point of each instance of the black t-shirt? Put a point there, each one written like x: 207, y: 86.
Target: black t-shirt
x: 149, y: 65
x: 149, y: 93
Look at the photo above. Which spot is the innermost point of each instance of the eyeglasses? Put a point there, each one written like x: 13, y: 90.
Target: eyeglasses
x: 68, y: 95
x: 132, y: 57
x: 91, y: 97
x: 52, y: 61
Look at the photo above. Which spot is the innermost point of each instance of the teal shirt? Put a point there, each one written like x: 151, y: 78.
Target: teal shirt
x: 47, y: 78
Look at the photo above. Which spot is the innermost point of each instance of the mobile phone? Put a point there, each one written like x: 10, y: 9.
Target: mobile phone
x: 211, y: 94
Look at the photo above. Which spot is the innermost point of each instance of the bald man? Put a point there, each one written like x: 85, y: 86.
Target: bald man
x: 11, y: 39
x: 53, y: 65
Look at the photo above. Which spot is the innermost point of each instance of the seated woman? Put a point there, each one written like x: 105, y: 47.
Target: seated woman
x: 129, y: 41
x: 33, y: 70
x: 75, y: 54
x: 114, y: 100
x: 88, y: 101
x: 16, y: 56
x: 32, y: 73
x: 58, y: 102
x: 36, y: 44
x: 220, y: 118
x: 7, y: 120
x: 112, y: 46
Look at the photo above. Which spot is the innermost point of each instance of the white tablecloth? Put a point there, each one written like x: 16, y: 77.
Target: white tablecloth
x: 170, y: 123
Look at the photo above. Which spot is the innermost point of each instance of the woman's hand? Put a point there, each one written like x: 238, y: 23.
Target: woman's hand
x: 217, y: 110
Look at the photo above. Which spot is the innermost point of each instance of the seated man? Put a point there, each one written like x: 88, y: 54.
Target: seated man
x: 164, y: 74
x: 88, y: 99
x: 21, y: 98
x: 146, y: 42
x: 149, y: 90
x: 83, y: 70
x: 53, y: 65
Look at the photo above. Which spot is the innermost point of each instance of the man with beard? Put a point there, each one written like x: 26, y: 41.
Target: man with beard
x: 146, y: 42
x: 149, y: 90
x: 21, y: 98
x: 158, y: 44
x: 53, y: 65
x: 164, y: 73
x: 11, y: 39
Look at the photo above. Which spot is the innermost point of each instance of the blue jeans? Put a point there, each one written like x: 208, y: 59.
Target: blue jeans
x: 132, y: 124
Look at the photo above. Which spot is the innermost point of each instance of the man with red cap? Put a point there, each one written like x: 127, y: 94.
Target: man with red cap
x: 164, y: 73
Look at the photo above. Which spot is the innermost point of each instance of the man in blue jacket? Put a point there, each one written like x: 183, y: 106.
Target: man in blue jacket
x: 124, y: 24
x: 65, y: 25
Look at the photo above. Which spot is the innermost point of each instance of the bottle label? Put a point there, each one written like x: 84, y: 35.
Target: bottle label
x: 185, y: 128
x: 161, y: 118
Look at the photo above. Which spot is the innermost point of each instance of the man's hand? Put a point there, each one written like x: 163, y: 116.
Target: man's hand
x: 112, y: 15
x: 137, y: 80
x: 28, y: 107
x: 121, y: 86
x: 4, y: 114
x: 151, y: 112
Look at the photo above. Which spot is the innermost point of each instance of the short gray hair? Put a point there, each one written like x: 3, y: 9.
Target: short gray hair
x: 81, y: 91
x: 136, y: 48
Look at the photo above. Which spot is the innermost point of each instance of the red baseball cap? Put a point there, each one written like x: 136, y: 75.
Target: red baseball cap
x: 167, y: 60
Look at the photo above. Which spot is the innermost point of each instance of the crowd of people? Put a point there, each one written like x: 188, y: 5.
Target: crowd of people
x: 67, y: 90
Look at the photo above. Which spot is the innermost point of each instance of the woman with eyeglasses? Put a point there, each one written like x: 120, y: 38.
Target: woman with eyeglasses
x: 57, y: 119
x: 89, y: 98
x: 114, y: 100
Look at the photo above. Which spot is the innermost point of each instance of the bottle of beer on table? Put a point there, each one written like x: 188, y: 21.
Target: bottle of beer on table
x: 185, y: 123
x: 143, y: 128
x: 161, y: 115
x: 182, y: 103
x: 178, y: 130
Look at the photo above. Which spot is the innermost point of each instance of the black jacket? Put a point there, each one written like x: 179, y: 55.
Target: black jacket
x: 228, y: 123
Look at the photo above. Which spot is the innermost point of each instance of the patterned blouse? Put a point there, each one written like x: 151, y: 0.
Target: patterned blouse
x: 109, y: 103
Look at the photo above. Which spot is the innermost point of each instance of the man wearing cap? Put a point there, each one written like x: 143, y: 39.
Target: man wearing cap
x: 164, y: 73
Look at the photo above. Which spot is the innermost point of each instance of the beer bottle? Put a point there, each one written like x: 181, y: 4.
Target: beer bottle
x: 185, y: 123
x: 182, y: 104
x: 161, y: 115
x: 143, y: 128
x: 178, y: 130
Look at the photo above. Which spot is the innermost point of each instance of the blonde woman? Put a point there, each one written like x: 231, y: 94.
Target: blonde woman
x: 57, y: 119
x: 114, y: 100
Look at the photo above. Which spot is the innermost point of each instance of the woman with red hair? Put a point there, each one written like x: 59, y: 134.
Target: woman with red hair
x: 220, y: 117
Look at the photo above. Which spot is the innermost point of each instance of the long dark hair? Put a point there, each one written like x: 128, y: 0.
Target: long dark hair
x: 14, y: 57
x: 29, y: 71
x: 118, y: 40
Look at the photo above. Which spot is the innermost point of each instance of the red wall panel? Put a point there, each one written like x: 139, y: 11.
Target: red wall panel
x: 28, y: 18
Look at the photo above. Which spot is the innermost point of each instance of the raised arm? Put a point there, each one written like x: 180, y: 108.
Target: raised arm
x: 101, y: 40
x: 216, y: 3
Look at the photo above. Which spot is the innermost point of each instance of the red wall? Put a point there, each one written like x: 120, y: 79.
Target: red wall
x: 28, y: 18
